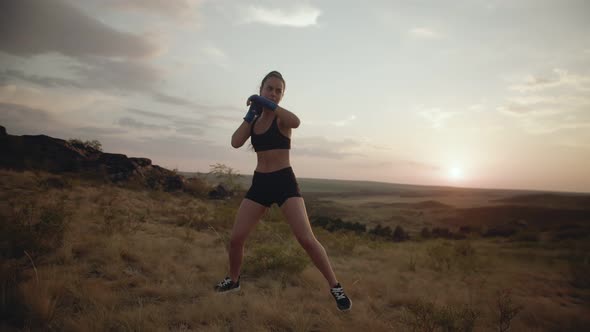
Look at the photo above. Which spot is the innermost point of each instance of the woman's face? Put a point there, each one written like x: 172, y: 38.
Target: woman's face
x: 273, y: 89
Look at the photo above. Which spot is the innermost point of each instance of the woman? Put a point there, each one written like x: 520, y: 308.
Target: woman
x: 269, y: 127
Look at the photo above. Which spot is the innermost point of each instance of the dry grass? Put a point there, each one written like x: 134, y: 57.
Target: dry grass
x: 133, y: 260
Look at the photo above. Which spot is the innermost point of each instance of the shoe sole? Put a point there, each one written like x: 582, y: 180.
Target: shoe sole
x: 230, y: 291
x: 346, y: 308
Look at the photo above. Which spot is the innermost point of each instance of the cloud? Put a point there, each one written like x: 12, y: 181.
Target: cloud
x: 48, y: 82
x: 559, y: 78
x: 436, y: 117
x: 181, y: 125
x: 549, y: 103
x: 24, y: 120
x: 54, y: 101
x: 102, y: 74
x: 108, y: 74
x: 297, y: 16
x: 29, y: 27
x: 173, y: 9
x: 423, y: 32
x: 324, y: 148
x: 97, y: 73
x: 21, y: 113
x: 190, y: 130
x: 132, y: 123
x: 535, y: 126
x: 394, y: 163
x: 344, y: 122
x: 215, y: 55
x: 98, y: 131
x: 149, y: 114
x: 477, y: 107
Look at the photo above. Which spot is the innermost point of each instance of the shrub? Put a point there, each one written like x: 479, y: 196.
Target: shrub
x: 500, y: 231
x: 333, y: 225
x: 94, y: 144
x: 506, y: 310
x: 442, y: 232
x: 381, y: 231
x: 227, y: 175
x: 399, y: 234
x: 426, y: 316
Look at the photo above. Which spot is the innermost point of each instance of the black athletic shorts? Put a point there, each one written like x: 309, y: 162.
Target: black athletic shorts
x: 273, y: 187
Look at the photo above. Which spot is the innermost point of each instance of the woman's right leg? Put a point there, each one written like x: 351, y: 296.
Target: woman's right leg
x: 248, y: 216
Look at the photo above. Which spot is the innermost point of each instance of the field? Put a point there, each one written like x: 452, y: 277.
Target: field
x: 82, y: 255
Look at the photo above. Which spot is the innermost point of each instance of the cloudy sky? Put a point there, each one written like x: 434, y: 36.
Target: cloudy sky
x: 477, y: 93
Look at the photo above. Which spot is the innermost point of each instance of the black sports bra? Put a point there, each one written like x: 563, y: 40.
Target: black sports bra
x: 269, y: 140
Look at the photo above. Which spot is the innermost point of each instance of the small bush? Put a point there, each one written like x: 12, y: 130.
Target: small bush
x: 500, y: 231
x: 426, y: 316
x: 94, y: 144
x: 506, y: 310
x: 442, y: 232
x: 399, y: 234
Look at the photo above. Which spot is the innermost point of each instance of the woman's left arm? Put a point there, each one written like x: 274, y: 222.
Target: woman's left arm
x: 287, y: 118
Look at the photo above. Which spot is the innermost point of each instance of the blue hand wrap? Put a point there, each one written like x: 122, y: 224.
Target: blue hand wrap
x: 264, y: 102
x: 253, y: 112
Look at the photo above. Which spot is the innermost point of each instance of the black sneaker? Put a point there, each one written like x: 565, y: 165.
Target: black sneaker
x: 343, y: 302
x: 227, y: 285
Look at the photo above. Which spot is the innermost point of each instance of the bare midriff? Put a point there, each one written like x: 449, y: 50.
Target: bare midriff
x: 272, y: 160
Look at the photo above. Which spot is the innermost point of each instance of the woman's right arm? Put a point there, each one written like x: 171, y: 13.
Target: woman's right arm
x: 241, y: 135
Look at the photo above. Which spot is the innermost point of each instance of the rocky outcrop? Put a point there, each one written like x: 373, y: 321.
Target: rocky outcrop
x: 220, y: 192
x: 41, y: 152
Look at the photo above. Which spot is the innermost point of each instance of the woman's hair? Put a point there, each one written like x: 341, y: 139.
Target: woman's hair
x: 276, y: 74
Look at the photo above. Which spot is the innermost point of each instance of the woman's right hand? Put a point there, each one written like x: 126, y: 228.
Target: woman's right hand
x: 255, y: 109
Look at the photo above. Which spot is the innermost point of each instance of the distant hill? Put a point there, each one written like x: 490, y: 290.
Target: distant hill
x: 347, y: 187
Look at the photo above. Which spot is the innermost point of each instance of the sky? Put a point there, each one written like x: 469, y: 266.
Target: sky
x: 468, y: 93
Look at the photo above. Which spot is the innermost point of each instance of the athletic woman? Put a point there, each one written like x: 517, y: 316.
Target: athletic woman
x: 269, y: 127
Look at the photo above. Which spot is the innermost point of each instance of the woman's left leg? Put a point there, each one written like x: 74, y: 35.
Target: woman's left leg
x: 294, y: 211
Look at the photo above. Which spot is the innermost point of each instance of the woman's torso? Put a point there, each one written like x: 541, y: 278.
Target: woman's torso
x: 274, y: 159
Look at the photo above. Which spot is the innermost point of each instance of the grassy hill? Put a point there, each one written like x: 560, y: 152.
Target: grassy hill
x: 82, y: 255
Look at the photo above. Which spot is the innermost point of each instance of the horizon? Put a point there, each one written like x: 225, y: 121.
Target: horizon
x: 485, y: 94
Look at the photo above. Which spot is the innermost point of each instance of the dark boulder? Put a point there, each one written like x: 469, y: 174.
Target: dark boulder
x: 220, y: 192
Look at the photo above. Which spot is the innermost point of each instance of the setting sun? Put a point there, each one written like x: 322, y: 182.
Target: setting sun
x: 456, y: 173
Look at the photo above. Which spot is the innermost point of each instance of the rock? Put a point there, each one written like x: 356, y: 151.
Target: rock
x: 220, y: 192
x: 55, y: 155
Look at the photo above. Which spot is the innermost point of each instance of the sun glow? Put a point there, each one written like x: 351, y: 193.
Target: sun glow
x: 456, y: 173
